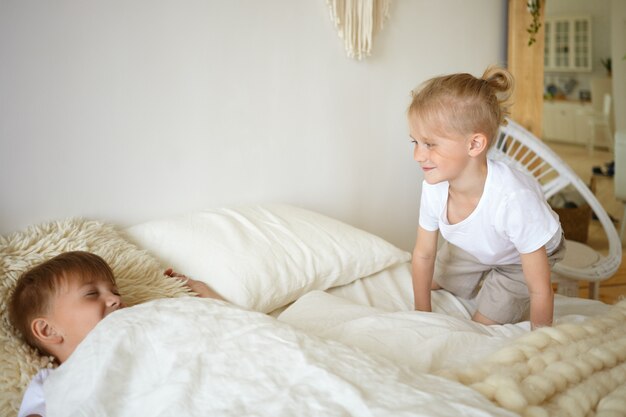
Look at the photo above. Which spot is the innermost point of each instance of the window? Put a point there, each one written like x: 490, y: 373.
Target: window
x: 568, y: 44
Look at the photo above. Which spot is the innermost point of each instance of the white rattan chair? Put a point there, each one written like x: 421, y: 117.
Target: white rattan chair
x: 518, y: 147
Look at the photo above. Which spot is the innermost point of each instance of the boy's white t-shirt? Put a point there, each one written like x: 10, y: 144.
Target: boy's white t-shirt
x: 33, y: 401
x: 512, y: 217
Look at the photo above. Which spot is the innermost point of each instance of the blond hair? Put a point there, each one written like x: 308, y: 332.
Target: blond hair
x: 463, y: 104
x: 36, y: 288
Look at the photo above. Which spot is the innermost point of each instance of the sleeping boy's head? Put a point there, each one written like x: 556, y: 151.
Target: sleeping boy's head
x: 56, y: 303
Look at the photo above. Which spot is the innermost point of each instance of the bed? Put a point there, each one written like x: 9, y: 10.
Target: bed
x: 319, y: 323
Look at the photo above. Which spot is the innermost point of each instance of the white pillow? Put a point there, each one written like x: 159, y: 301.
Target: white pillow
x: 264, y: 257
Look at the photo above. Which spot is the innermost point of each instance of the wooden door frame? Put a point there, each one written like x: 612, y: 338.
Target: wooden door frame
x: 525, y: 62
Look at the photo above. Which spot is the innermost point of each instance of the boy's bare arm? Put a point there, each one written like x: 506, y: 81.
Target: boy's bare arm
x: 537, y: 274
x: 423, y: 267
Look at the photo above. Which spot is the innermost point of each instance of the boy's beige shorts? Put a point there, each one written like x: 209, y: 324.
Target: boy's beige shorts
x: 500, y: 290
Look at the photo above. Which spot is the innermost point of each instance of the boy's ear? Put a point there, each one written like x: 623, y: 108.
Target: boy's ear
x: 477, y: 144
x: 45, y: 332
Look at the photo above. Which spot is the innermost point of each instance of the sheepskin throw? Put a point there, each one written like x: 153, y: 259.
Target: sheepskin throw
x: 574, y: 369
x: 139, y: 277
x: 357, y: 21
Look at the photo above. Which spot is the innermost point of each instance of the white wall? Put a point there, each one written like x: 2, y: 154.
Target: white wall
x: 127, y: 110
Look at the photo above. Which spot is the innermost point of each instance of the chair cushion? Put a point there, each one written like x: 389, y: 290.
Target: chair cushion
x: 579, y: 255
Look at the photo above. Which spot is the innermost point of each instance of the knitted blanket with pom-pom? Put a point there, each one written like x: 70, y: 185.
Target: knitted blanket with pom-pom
x: 573, y: 369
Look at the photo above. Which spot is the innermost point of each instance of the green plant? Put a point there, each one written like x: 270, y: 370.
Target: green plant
x: 534, y: 8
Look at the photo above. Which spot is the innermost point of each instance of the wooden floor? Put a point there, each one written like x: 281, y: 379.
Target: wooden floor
x: 579, y: 159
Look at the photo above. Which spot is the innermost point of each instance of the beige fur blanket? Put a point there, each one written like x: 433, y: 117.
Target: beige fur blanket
x: 567, y: 370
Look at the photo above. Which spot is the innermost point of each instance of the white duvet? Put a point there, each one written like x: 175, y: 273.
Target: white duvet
x: 375, y: 314
x: 424, y: 342
x: 199, y: 357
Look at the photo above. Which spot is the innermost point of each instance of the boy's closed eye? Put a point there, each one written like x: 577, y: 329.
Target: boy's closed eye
x: 92, y: 292
x: 95, y: 292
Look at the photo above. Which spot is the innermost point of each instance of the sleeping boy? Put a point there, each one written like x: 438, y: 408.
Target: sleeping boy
x: 58, y: 302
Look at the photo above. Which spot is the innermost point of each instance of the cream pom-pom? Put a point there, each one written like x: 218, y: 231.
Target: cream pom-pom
x: 488, y: 390
x: 610, y: 413
x: 508, y: 355
x: 470, y: 375
x: 607, y: 322
x: 500, y: 380
x: 535, y: 411
x: 619, y: 374
x: 619, y: 349
x: 590, y: 327
x: 571, y: 406
x: 581, y: 393
x: 615, y: 401
x: 605, y: 355
x: 603, y: 382
x: 533, y: 393
x: 536, y: 339
x: 584, y: 368
x: 541, y: 385
x: 515, y: 371
x: 559, y: 381
x: 556, y: 334
x: 616, y: 332
x: 537, y: 364
x: 511, y: 398
x: 594, y: 361
x: 550, y: 356
x: 570, y: 351
x: 529, y: 351
x: 594, y: 392
x: 583, y: 346
x: 575, y: 332
x: 570, y: 372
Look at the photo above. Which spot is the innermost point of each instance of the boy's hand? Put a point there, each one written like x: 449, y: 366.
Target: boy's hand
x: 537, y: 274
x: 199, y: 287
x: 169, y: 272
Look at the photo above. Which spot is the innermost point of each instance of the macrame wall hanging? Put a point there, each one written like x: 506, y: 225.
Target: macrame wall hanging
x: 357, y: 21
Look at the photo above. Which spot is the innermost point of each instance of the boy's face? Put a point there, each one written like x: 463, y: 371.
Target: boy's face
x: 79, y: 305
x: 442, y: 158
